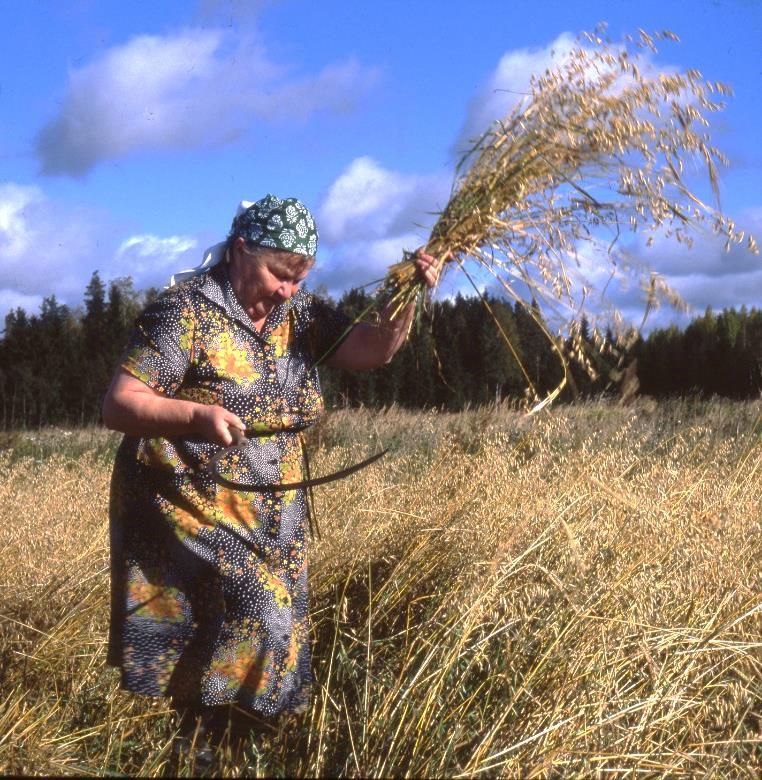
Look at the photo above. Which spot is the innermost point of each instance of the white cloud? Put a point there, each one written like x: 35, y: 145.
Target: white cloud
x: 11, y: 300
x: 703, y: 275
x: 187, y: 89
x: 368, y: 216
x: 44, y: 242
x: 148, y: 245
x: 49, y: 248
x: 509, y: 83
x: 148, y: 257
x: 14, y: 236
x: 358, y: 263
x: 707, y: 257
x: 368, y: 201
x: 733, y: 290
x: 335, y: 88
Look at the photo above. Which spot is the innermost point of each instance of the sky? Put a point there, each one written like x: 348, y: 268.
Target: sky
x: 129, y: 131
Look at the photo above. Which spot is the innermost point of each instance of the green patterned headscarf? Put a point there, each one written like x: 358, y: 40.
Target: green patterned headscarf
x: 279, y: 223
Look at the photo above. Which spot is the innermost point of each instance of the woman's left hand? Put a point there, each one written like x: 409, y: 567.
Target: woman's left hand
x: 428, y: 266
x: 371, y: 346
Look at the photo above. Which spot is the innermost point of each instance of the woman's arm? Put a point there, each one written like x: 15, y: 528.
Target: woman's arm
x: 132, y: 407
x: 372, y: 346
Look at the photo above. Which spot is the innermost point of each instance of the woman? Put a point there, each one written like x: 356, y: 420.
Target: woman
x: 209, y: 582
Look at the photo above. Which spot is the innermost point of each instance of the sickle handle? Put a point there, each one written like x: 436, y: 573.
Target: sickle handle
x: 239, y: 437
x: 239, y: 440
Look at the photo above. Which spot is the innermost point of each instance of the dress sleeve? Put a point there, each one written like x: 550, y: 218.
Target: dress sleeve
x: 328, y: 328
x: 159, y: 352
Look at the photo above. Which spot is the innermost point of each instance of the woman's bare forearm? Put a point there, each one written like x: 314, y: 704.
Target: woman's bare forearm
x: 389, y: 335
x: 130, y: 406
x: 393, y: 332
x: 143, y: 412
x: 372, y: 346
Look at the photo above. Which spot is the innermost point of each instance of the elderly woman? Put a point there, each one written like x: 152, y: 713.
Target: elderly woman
x: 209, y: 579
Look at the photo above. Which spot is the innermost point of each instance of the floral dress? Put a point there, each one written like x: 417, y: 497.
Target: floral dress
x: 209, y: 583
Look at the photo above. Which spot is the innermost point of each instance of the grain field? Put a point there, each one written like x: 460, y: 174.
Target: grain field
x: 574, y: 593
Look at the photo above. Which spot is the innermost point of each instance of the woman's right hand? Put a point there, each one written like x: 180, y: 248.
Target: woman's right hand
x: 214, y: 423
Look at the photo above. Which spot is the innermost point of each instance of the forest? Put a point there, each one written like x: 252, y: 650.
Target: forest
x: 55, y: 365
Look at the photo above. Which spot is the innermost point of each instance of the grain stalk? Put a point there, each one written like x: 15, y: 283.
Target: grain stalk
x: 600, y: 145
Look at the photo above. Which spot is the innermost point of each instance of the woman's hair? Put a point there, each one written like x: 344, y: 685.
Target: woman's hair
x: 295, y: 263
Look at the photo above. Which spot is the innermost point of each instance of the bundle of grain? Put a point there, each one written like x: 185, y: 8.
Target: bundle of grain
x: 600, y: 144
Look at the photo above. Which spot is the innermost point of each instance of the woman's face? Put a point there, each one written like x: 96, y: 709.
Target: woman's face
x: 264, y: 278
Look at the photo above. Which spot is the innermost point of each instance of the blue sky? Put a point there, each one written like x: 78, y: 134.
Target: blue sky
x: 130, y: 130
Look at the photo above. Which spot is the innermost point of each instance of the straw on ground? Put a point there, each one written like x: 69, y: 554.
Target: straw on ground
x: 574, y: 593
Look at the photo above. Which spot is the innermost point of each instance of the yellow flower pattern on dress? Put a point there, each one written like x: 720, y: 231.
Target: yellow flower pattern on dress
x: 291, y: 469
x: 187, y: 523
x: 156, y: 601
x: 246, y: 669
x: 238, y: 507
x: 158, y: 453
x: 274, y: 585
x: 147, y: 374
x: 230, y: 361
x: 279, y: 339
x: 186, y: 336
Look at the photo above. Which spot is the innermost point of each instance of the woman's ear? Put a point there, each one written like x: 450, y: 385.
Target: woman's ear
x: 236, y: 248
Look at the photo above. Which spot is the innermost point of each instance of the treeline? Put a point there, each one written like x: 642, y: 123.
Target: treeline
x: 55, y: 365
x: 459, y: 357
x: 717, y: 354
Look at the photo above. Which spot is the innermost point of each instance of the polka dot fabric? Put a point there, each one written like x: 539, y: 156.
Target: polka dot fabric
x: 209, y: 584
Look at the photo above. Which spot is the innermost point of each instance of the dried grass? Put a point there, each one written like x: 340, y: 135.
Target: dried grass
x: 602, y: 144
x: 566, y: 594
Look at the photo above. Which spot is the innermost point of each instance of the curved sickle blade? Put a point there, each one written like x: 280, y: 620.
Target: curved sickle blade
x: 305, y: 483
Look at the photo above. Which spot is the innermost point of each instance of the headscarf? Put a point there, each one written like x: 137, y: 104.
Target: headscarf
x: 276, y: 223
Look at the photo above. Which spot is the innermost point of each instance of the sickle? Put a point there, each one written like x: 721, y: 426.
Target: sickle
x: 240, y: 440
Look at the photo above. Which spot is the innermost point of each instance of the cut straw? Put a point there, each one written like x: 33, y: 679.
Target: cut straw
x: 540, y: 201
